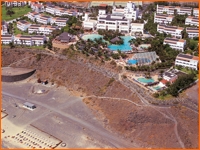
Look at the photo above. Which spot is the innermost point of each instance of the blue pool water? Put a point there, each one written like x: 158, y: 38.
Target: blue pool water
x: 144, y: 80
x: 132, y: 61
x: 157, y: 87
x: 92, y: 37
x: 124, y: 47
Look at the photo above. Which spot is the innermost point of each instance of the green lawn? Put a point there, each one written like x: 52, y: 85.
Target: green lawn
x: 19, y: 11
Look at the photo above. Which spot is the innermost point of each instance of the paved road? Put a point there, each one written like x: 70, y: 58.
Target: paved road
x: 114, y: 140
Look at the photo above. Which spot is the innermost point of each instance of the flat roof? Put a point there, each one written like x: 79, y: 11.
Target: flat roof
x: 185, y: 56
x: 29, y: 104
x: 169, y: 74
x: 108, y: 17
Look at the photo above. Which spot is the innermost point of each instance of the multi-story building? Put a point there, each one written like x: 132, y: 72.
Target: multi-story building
x: 130, y: 11
x: 6, y: 39
x: 37, y: 7
x: 165, y: 9
x: 47, y: 29
x: 4, y: 28
x: 33, y: 16
x: 192, y: 32
x: 34, y: 28
x: 58, y: 11
x: 23, y: 40
x: 44, y: 19
x: 173, y: 30
x: 137, y: 27
x: 187, y: 60
x: 193, y: 21
x: 61, y: 22
x: 44, y: 29
x: 102, y: 9
x: 15, y: 3
x: 184, y: 10
x: 196, y: 12
x: 29, y: 40
x: 169, y: 76
x: 113, y: 22
x: 174, y: 43
x: 88, y: 23
x: 163, y: 18
x: 23, y: 25
x: 38, y: 40
x: 50, y: 9
x: 170, y: 10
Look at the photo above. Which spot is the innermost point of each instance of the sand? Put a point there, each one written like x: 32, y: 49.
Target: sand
x: 25, y: 137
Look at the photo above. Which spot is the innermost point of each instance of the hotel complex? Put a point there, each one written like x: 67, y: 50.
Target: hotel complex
x: 171, y: 10
x: 173, y: 30
x: 174, y: 43
x: 186, y: 60
x: 163, y: 18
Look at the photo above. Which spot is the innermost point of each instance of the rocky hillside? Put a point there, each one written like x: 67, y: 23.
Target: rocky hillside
x: 116, y: 105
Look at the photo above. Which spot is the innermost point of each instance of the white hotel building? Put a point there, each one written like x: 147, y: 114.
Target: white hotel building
x: 193, y: 21
x: 23, y: 25
x: 187, y: 60
x: 113, y: 22
x: 38, y: 39
x: 173, y: 30
x: 160, y: 9
x: 130, y: 12
x: 23, y: 40
x: 4, y: 28
x: 33, y: 15
x: 6, y: 39
x: 137, y: 27
x: 89, y: 23
x: 171, y: 9
x: 174, y: 43
x: 196, y: 12
x: 61, y: 22
x: 184, y: 10
x: 163, y: 18
x: 58, y: 11
x: 192, y: 32
x: 29, y: 40
x: 44, y: 29
x: 44, y: 19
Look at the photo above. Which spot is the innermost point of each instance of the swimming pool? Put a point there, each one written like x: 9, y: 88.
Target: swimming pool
x: 157, y: 87
x: 92, y: 37
x: 145, y: 80
x: 132, y: 61
x: 123, y: 47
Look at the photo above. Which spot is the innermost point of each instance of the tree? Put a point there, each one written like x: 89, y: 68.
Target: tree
x: 11, y: 44
x: 10, y: 12
x: 184, y: 34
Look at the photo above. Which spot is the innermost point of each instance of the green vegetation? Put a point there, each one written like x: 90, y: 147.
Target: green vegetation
x: 73, y: 26
x: 110, y: 82
x: 18, y: 12
x: 108, y: 35
x: 97, y: 48
x: 148, y: 15
x: 181, y: 83
x: 179, y: 20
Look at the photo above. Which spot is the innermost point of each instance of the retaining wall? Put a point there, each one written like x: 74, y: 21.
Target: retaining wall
x: 14, y: 78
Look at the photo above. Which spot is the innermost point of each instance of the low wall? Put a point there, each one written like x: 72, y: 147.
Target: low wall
x: 14, y: 78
